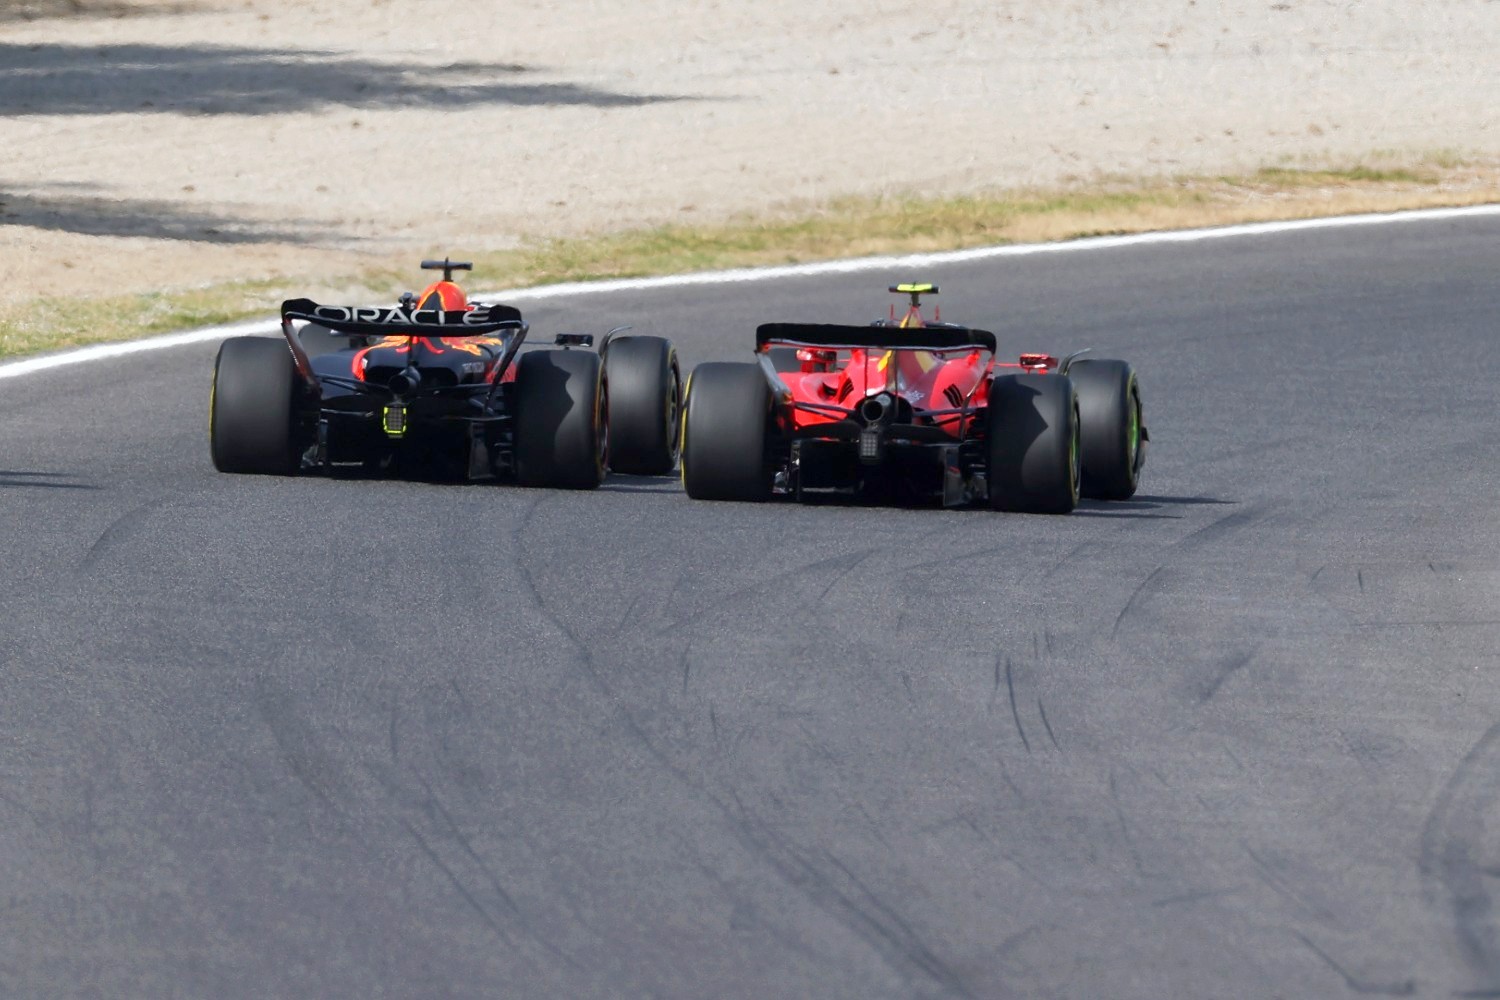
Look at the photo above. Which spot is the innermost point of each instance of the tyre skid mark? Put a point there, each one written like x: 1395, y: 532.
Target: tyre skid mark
x: 458, y: 885
x: 787, y: 938
x: 1010, y: 783
x: 1014, y: 940
x: 622, y: 627
x: 903, y: 954
x: 1042, y: 711
x: 1277, y: 883
x: 488, y: 873
x: 1450, y: 862
x: 861, y: 911
x: 442, y: 824
x: 1015, y: 713
x: 1232, y: 521
x: 120, y: 529
x: 1194, y: 540
x: 298, y: 744
x: 1355, y: 984
x: 845, y: 562
x: 896, y: 928
x: 966, y: 819
x: 1226, y: 669
x: 1068, y: 558
x: 1125, y: 834
x: 1136, y: 596
x: 1199, y: 896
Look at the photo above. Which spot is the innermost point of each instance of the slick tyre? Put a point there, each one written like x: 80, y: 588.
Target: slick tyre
x: 724, y: 433
x: 1109, y: 409
x: 250, y: 419
x: 645, y: 405
x: 561, y: 420
x: 1032, y: 430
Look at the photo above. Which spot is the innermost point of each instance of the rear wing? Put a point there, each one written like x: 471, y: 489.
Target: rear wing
x: 881, y: 338
x: 403, y: 321
x: 398, y: 321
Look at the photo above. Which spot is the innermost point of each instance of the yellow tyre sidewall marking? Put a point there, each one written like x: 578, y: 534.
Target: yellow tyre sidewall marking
x: 687, y: 391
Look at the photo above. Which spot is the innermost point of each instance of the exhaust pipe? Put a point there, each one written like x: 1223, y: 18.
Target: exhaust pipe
x: 405, y: 381
x: 875, y: 409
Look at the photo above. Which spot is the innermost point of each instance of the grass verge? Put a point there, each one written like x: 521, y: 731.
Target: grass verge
x: 848, y: 227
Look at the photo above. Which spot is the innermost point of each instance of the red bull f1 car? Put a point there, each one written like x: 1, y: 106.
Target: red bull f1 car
x: 438, y: 387
x: 909, y: 411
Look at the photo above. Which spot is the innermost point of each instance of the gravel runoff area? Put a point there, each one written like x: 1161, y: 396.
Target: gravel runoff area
x: 145, y: 145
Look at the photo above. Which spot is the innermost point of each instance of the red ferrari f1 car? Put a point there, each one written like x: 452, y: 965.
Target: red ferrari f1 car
x: 912, y: 412
x: 436, y: 386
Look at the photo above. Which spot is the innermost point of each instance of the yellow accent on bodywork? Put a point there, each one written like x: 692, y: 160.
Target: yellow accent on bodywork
x: 682, y: 440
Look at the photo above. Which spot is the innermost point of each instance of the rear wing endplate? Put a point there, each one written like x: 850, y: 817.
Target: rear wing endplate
x: 883, y: 338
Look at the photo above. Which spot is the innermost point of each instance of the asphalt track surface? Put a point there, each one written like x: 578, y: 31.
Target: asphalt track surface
x: 1237, y: 737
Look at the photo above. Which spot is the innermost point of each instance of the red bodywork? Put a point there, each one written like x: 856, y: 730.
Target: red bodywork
x: 945, y: 387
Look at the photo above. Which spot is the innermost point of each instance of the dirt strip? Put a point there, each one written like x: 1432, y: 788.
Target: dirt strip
x: 172, y: 144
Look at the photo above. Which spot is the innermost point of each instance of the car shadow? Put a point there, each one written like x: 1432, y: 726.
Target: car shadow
x: 619, y: 482
x: 15, y: 478
x: 1141, y: 498
x: 1111, y: 513
x: 1141, y: 506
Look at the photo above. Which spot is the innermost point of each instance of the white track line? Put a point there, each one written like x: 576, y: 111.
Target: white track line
x: 99, y: 352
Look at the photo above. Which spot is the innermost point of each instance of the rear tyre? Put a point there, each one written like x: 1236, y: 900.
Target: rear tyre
x: 250, y: 425
x: 1109, y: 408
x: 1034, y: 459
x: 724, y: 433
x: 645, y: 405
x: 561, y: 420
